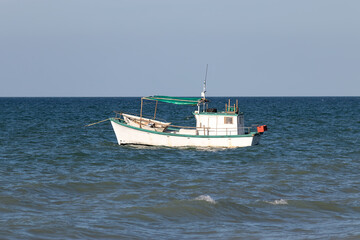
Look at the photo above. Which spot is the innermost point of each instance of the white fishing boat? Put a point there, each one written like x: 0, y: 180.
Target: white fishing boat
x: 224, y: 129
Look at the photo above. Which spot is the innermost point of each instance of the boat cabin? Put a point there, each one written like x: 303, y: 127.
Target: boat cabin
x: 212, y: 122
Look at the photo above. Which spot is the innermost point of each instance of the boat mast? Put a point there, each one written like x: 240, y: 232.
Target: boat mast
x: 204, y: 89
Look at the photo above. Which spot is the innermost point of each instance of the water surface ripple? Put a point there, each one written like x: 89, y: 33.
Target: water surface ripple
x: 60, y: 180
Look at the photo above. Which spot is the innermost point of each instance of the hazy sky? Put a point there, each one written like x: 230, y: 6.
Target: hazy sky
x: 148, y: 47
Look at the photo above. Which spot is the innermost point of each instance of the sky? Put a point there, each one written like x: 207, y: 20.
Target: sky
x: 120, y: 48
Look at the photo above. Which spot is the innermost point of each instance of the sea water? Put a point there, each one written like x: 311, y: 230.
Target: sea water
x: 61, y: 180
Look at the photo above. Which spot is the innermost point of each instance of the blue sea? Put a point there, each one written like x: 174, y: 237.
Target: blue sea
x: 62, y: 180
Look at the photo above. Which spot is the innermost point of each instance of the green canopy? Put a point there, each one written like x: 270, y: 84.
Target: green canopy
x: 177, y: 100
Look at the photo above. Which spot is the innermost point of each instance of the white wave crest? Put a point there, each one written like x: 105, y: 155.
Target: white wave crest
x: 206, y: 198
x: 278, y: 202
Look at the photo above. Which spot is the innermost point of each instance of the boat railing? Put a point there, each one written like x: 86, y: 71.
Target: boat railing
x: 214, y: 131
x: 190, y: 130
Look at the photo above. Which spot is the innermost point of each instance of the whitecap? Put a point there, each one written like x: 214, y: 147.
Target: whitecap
x: 278, y: 202
x: 206, y: 198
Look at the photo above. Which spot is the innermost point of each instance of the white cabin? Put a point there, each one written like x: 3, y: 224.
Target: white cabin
x: 222, y: 123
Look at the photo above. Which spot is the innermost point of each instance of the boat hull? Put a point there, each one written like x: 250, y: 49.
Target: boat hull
x: 126, y: 134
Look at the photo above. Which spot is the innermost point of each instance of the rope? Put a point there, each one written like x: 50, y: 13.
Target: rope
x: 97, y: 122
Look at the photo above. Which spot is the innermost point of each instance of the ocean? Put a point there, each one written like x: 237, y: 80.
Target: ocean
x: 61, y: 180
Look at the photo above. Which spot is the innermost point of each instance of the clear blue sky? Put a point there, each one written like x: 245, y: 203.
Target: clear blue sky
x: 147, y: 47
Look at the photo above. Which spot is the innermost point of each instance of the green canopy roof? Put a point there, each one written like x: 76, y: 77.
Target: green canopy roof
x: 177, y: 100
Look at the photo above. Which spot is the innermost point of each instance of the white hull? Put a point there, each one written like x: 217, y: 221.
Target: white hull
x: 126, y: 134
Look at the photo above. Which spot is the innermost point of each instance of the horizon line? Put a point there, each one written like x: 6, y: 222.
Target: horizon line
x: 172, y: 95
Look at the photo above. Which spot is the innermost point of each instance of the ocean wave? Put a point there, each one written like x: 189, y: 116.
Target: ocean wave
x: 206, y: 198
x: 278, y: 202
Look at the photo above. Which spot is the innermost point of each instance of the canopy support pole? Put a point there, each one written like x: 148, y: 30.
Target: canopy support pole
x: 141, y: 111
x: 155, y: 109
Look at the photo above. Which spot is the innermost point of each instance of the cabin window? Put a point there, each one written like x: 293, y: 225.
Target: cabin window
x: 228, y: 120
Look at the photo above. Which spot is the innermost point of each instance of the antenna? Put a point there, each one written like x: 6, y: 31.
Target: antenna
x: 204, y: 88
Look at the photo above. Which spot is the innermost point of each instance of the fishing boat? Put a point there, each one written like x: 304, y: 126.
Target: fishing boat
x: 224, y: 129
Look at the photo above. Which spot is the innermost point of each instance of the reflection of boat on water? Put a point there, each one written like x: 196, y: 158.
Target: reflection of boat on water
x: 213, y: 128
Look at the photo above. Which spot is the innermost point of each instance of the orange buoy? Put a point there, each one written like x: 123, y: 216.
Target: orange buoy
x: 262, y: 128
